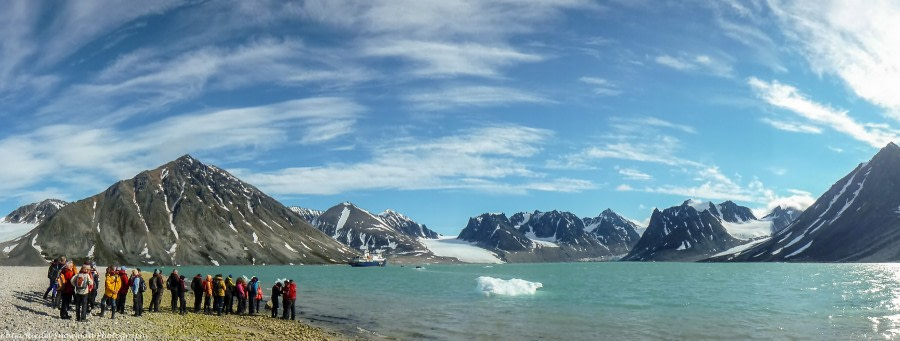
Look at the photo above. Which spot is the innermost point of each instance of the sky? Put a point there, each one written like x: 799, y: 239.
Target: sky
x: 443, y: 110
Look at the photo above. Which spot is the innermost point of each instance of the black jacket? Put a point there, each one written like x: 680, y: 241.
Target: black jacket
x: 172, y: 282
x: 276, y: 292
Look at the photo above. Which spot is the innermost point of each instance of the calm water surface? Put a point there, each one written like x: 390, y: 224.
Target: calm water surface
x: 589, y: 301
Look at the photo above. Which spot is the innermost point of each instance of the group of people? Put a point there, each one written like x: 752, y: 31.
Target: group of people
x: 217, y: 294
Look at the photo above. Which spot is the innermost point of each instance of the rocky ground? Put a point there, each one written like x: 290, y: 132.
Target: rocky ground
x: 26, y: 315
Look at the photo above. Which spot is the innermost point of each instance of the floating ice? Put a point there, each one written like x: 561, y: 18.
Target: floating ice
x: 511, y: 287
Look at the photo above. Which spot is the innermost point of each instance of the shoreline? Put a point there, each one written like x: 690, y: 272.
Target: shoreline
x: 29, y: 316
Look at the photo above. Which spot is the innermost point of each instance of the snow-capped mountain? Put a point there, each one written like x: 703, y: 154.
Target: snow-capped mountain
x: 34, y: 213
x: 683, y: 233
x: 738, y: 220
x: 614, y: 231
x: 391, y: 232
x: 183, y: 212
x: 856, y: 220
x: 549, y: 236
x: 782, y: 217
x: 311, y: 216
x: 407, y: 226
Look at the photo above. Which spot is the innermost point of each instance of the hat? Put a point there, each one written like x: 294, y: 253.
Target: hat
x: 155, y: 271
x: 182, y: 276
x: 229, y: 275
x: 124, y: 268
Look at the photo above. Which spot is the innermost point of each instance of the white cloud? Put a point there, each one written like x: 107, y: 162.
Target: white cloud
x: 487, y: 159
x: 792, y: 126
x: 700, y: 62
x: 443, y: 38
x: 798, y: 200
x: 633, y: 174
x: 601, y: 86
x: 143, y: 81
x: 856, y: 42
x: 57, y: 153
x: 716, y: 186
x: 835, y: 149
x: 441, y: 59
x: 624, y: 188
x: 789, y: 98
x: 476, y: 96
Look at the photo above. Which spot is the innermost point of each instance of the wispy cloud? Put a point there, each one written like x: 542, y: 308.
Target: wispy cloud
x: 601, y: 86
x: 69, y: 151
x: 443, y: 38
x: 789, y: 98
x: 794, y: 127
x: 700, y: 62
x: 858, y: 44
x: 143, y: 81
x: 491, y: 159
x: 716, y: 186
x: 633, y: 174
x: 471, y: 96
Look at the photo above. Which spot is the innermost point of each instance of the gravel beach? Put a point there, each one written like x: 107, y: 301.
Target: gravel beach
x: 26, y: 315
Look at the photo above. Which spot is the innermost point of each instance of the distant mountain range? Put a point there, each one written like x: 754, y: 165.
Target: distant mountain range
x: 389, y: 232
x: 184, y: 212
x: 553, y: 236
x: 34, y: 213
x: 856, y: 220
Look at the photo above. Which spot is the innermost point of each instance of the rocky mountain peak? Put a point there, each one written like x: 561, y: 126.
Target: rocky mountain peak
x: 34, y: 213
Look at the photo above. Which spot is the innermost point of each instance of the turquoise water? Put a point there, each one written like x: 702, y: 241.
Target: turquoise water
x: 590, y: 301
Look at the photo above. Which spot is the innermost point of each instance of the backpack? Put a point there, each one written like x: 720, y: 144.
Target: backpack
x: 153, y: 283
x: 259, y: 294
x: 82, y: 282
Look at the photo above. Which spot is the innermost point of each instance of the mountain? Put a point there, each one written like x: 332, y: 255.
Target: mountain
x: 548, y: 236
x: 683, y: 233
x: 730, y: 212
x: 311, y: 216
x: 617, y: 233
x: 34, y: 213
x: 856, y: 220
x: 391, y: 232
x: 407, y: 226
x: 183, y: 212
x: 782, y: 217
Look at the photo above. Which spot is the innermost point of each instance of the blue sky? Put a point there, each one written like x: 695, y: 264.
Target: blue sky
x: 443, y: 110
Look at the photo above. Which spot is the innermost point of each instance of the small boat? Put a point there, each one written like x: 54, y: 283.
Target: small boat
x: 368, y: 259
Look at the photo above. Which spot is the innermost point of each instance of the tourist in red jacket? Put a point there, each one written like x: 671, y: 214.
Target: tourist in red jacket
x: 290, y: 297
x: 68, y: 290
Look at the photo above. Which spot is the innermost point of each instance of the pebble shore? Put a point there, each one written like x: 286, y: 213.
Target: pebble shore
x: 26, y: 315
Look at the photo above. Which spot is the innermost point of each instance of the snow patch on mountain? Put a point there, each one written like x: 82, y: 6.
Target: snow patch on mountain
x: 463, y: 251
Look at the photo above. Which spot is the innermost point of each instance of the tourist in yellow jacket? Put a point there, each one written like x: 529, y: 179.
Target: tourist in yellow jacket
x: 113, y: 285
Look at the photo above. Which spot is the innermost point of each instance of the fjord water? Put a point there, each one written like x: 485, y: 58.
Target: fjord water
x: 599, y: 300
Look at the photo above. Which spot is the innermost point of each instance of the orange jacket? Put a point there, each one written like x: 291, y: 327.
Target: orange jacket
x: 207, y: 286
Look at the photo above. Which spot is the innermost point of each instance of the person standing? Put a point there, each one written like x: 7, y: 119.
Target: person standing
x: 156, y: 288
x: 92, y: 296
x: 53, y: 274
x: 259, y: 294
x: 181, y: 290
x: 137, y: 286
x: 241, y: 290
x: 123, y: 291
x: 207, y: 294
x: 219, y: 291
x: 111, y: 293
x: 172, y: 285
x: 83, y: 282
x: 276, y: 294
x: 292, y: 296
x: 197, y: 289
x: 251, y: 294
x: 230, y: 289
x: 65, y: 283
